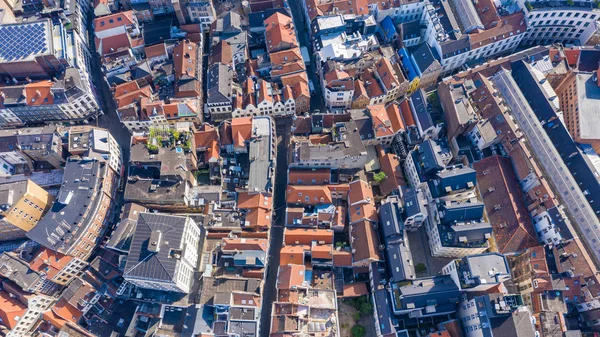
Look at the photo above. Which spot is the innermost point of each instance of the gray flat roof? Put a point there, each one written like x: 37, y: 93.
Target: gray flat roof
x: 261, y: 152
x: 588, y: 95
x: 487, y: 266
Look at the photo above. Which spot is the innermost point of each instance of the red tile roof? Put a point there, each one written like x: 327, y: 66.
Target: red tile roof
x: 342, y: 258
x: 205, y: 135
x: 221, y: 52
x: 323, y: 252
x: 302, y: 236
x: 113, y: 21
x: 241, y: 130
x: 505, y: 206
x: 10, y: 310
x: 387, y: 74
x: 393, y: 174
x: 510, y: 25
x: 280, y: 32
x: 407, y: 115
x: 355, y: 289
x: 292, y: 254
x: 157, y: 50
x: 290, y: 276
x: 308, y: 195
x: 39, y: 93
x: 314, y: 176
x: 49, y: 262
x: 185, y: 59
x: 364, y: 242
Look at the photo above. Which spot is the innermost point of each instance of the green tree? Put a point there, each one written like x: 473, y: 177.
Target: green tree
x: 356, y: 316
x: 570, y: 2
x: 358, y: 331
x: 529, y: 6
x: 379, y: 177
x: 420, y: 267
x: 366, y: 308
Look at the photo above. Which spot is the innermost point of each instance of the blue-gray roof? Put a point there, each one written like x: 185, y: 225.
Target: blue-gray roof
x: 391, y: 222
x: 436, y: 290
x: 382, y: 307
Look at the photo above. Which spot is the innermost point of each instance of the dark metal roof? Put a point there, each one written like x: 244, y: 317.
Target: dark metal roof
x: 391, y: 222
x: 79, y: 194
x: 159, y: 265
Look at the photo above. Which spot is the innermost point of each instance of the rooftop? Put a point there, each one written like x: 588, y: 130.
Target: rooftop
x: 77, y: 201
x: 588, y: 96
x: 156, y: 247
x: 25, y: 41
x: 261, y: 152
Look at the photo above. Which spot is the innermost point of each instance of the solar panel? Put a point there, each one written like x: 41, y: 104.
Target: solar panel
x: 23, y: 40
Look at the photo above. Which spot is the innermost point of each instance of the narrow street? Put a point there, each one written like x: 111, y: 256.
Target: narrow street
x: 316, y: 99
x: 278, y: 225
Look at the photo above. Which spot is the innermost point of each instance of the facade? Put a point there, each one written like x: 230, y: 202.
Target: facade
x: 24, y: 203
x: 201, y: 12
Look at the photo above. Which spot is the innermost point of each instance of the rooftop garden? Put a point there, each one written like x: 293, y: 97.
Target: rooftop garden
x: 168, y: 138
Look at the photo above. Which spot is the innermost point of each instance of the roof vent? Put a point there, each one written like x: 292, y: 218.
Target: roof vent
x: 154, y: 243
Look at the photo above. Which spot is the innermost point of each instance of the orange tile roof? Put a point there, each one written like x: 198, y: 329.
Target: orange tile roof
x: 126, y: 88
x: 510, y: 25
x: 513, y: 228
x: 113, y: 21
x: 258, y: 217
x: 387, y: 74
x: 156, y: 50
x: 342, y: 258
x: 10, y: 310
x: 221, y: 52
x: 359, y: 90
x: 314, y: 176
x: 114, y: 43
x: 325, y: 7
x: 355, y: 289
x: 364, y: 242
x: 292, y: 254
x: 290, y: 276
x: 302, y: 236
x: 300, y: 89
x: 308, y: 195
x: 572, y: 56
x: 39, y: 93
x: 66, y: 311
x: 249, y: 200
x: 185, y: 59
x: 486, y: 9
x: 294, y: 78
x: 381, y: 122
x: 244, y: 244
x: 371, y: 84
x: 205, y: 135
x: 246, y: 299
x: 322, y: 251
x: 393, y: 173
x: 263, y: 92
x: 50, y: 317
x: 286, y: 56
x: 213, y: 151
x: 49, y: 262
x: 393, y: 112
x: 360, y: 190
x: 241, y: 130
x: 279, y: 29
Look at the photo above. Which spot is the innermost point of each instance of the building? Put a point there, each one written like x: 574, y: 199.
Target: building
x: 363, y: 219
x: 399, y: 261
x: 219, y: 92
x: 164, y: 253
x: 578, y: 95
x: 425, y: 297
x: 23, y: 204
x: 201, y: 12
x: 76, y: 222
x: 478, y: 272
x: 57, y: 269
x: 547, y: 24
x: 505, y: 205
x: 496, y: 315
x: 66, y: 99
x: 346, y: 151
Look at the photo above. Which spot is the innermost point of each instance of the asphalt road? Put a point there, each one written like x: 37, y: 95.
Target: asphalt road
x: 277, y: 227
x: 316, y: 100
